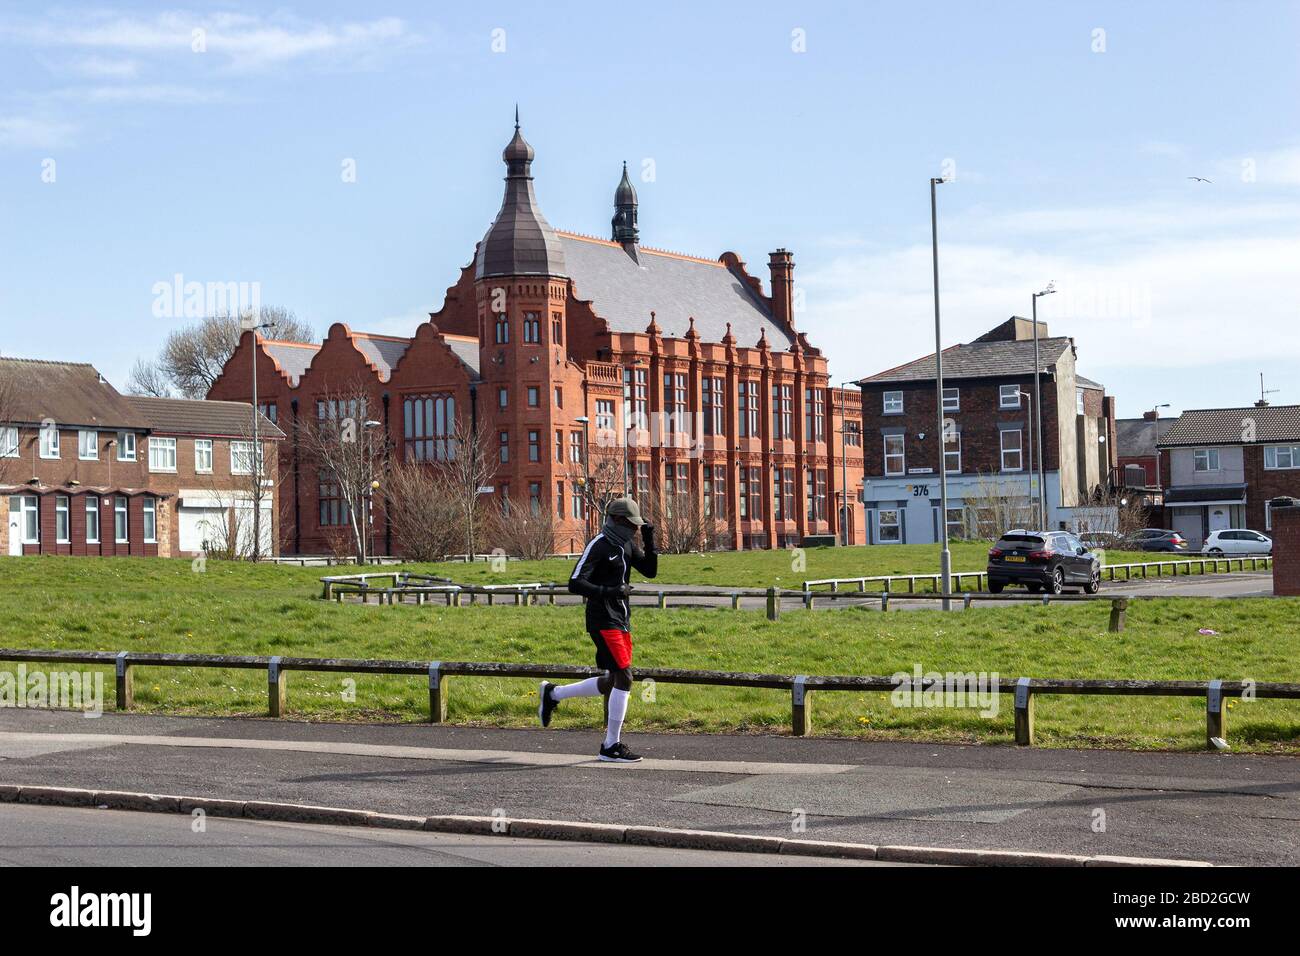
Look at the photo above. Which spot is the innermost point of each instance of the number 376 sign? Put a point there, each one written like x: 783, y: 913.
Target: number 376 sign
x: 920, y: 491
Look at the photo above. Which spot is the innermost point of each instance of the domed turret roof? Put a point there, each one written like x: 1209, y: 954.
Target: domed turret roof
x: 520, y: 241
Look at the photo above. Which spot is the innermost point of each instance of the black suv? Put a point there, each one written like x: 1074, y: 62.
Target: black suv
x: 1043, y: 560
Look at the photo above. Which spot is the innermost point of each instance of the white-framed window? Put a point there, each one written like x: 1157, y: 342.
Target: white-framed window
x: 49, y: 441
x: 1008, y: 396
x: 1205, y: 459
x: 952, y: 399
x: 8, y: 441
x: 88, y: 444
x: 203, y: 456
x: 889, y: 529
x: 150, y: 521
x: 62, y: 520
x: 895, y: 455
x: 956, y: 523
x: 241, y: 457
x: 952, y: 454
x: 29, y: 511
x: 1279, y: 457
x: 120, y: 533
x: 92, y: 519
x: 1078, y: 398
x: 893, y: 403
x: 126, y: 446
x: 162, y: 454
x: 1012, y: 459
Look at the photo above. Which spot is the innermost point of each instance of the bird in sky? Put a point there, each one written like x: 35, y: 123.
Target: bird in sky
x: 1201, y: 179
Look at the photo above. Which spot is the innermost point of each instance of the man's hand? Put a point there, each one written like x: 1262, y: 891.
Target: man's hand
x: 647, y: 533
x: 618, y: 590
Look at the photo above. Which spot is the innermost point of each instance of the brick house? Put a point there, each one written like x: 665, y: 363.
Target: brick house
x: 89, y: 471
x: 687, y: 372
x: 1222, y: 467
x: 988, y: 394
x: 1139, y: 462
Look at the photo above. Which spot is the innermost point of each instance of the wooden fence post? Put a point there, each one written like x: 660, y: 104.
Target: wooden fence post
x: 125, y: 683
x: 277, y: 691
x: 773, y: 605
x: 663, y: 601
x: 1216, y: 723
x: 808, y: 600
x: 1118, y: 611
x: 735, y: 602
x: 884, y: 600
x: 437, y: 694
x: 1024, y: 713
x: 800, y: 712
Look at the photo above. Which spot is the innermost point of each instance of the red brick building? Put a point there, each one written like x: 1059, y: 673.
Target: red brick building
x: 683, y: 366
x: 86, y: 470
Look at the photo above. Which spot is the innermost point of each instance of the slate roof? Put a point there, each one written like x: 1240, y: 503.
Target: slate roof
x: 187, y: 416
x: 1225, y: 426
x: 624, y: 291
x: 72, y: 393
x: 1087, y: 382
x: 467, y: 350
x: 1192, y: 494
x: 1137, y: 436
x: 381, y: 351
x: 978, y: 360
x: 520, y: 241
x: 293, y: 357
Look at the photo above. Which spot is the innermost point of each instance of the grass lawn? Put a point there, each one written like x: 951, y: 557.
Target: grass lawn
x: 759, y: 569
x: 156, y: 604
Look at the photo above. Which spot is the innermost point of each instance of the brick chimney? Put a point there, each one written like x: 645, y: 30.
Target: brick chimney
x: 781, y: 263
x: 1151, y: 416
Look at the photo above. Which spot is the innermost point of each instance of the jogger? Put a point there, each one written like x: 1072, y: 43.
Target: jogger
x: 601, y: 576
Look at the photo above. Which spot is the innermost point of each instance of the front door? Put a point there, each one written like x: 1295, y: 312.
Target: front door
x: 15, y: 526
x: 1220, y: 517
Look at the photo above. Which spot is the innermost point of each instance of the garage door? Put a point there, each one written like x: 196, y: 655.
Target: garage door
x: 1187, y: 522
x: 199, y: 524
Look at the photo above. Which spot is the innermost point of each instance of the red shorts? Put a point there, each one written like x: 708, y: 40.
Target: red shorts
x: 613, y: 649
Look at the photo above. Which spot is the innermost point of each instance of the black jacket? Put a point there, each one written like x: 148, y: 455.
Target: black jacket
x: 600, y: 574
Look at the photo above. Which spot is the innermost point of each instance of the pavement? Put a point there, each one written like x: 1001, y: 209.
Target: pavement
x: 1221, y: 808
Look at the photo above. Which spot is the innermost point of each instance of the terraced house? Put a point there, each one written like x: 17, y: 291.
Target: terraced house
x: 574, y: 353
x: 88, y: 471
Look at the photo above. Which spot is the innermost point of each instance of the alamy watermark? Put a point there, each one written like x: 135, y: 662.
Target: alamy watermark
x: 42, y: 690
x: 951, y: 689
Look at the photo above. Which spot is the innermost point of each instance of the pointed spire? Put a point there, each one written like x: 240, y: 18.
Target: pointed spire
x: 653, y: 327
x: 728, y: 339
x: 516, y: 116
x: 625, y: 209
x: 690, y: 329
x: 520, y: 241
x: 762, y: 340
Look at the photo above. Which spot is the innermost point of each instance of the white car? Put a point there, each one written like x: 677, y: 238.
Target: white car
x: 1237, y: 541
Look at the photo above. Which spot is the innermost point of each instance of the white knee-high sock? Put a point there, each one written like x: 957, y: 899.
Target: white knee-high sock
x: 617, y: 711
x: 585, y: 688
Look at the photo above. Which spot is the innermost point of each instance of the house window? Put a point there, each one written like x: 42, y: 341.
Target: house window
x: 683, y: 479
x: 814, y: 414
x: 162, y: 454
x: 783, y: 500
x: 816, y: 493
x: 120, y: 529
x: 956, y: 523
x: 49, y: 441
x: 715, y: 413
x: 747, y: 395
x: 557, y: 328
x: 635, y: 391
x: 92, y: 520
x: 893, y: 403
x: 126, y: 446
x: 715, y: 491
x: 269, y: 410
x: 534, y: 396
x: 333, y: 509
x: 532, y: 328
x: 150, y: 521
x: 604, y: 415
x: 8, y: 441
x: 62, y: 531
x: 1011, y: 457
x: 241, y: 457
x: 534, y: 446
x: 643, y: 482
x: 895, y: 455
x: 559, y: 445
x: 575, y: 448
x: 429, y: 427
x: 340, y: 409
x: 782, y: 412
x: 535, y: 497
x: 559, y: 397
x: 1278, y: 457
x: 755, y: 494
x: 505, y: 497
x: 952, y: 454
x: 853, y: 433
x: 88, y: 445
x: 675, y: 401
x: 1206, y: 459
x: 502, y: 330
x: 952, y: 399
x: 203, y: 456
x: 559, y: 500
x: 578, y: 505
x: 1008, y: 396
x: 888, y: 527
x: 503, y: 397
x: 504, y: 438
x: 1078, y: 398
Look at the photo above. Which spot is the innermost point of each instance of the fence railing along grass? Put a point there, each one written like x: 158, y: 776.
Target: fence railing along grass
x: 1024, y: 690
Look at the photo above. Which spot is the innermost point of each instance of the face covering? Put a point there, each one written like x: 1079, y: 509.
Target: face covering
x: 620, y: 534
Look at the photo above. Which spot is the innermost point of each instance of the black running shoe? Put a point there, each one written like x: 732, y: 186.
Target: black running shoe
x: 619, y: 754
x: 548, y: 703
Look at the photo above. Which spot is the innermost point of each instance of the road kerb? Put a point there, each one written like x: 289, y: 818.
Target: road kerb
x: 828, y: 848
x: 57, y: 796
x: 1140, y: 861
x: 566, y: 830
x: 963, y: 857
x: 701, y: 840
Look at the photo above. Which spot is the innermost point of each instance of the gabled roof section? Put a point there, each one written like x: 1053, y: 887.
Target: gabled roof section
x: 74, y: 394
x: 466, y: 348
x: 1137, y: 436
x: 291, y: 358
x: 624, y: 291
x: 979, y: 359
x: 381, y: 351
x: 1232, y: 426
x: 187, y: 416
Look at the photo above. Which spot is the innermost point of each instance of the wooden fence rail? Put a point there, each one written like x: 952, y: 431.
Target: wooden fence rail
x: 1024, y: 690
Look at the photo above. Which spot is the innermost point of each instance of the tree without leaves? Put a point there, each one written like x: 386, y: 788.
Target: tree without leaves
x: 424, y: 506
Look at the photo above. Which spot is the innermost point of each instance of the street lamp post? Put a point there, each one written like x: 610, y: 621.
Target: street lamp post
x: 588, y: 497
x: 1029, y: 398
x: 945, y: 556
x: 844, y: 463
x: 369, y: 536
x: 257, y: 447
x: 1159, y: 477
x: 1038, y: 408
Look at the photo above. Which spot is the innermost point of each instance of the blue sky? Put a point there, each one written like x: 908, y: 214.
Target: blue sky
x: 813, y: 127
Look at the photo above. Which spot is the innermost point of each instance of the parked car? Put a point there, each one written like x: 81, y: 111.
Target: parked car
x: 1237, y: 541
x: 1043, y: 560
x: 1103, y: 539
x: 1158, y: 539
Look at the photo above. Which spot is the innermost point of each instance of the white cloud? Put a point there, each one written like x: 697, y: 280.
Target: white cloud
x: 106, y: 68
x: 29, y: 132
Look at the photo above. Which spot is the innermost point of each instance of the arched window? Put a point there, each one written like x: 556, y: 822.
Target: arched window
x: 429, y: 427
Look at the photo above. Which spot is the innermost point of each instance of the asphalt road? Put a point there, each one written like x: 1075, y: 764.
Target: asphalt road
x: 69, y: 836
x: 1225, y: 808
